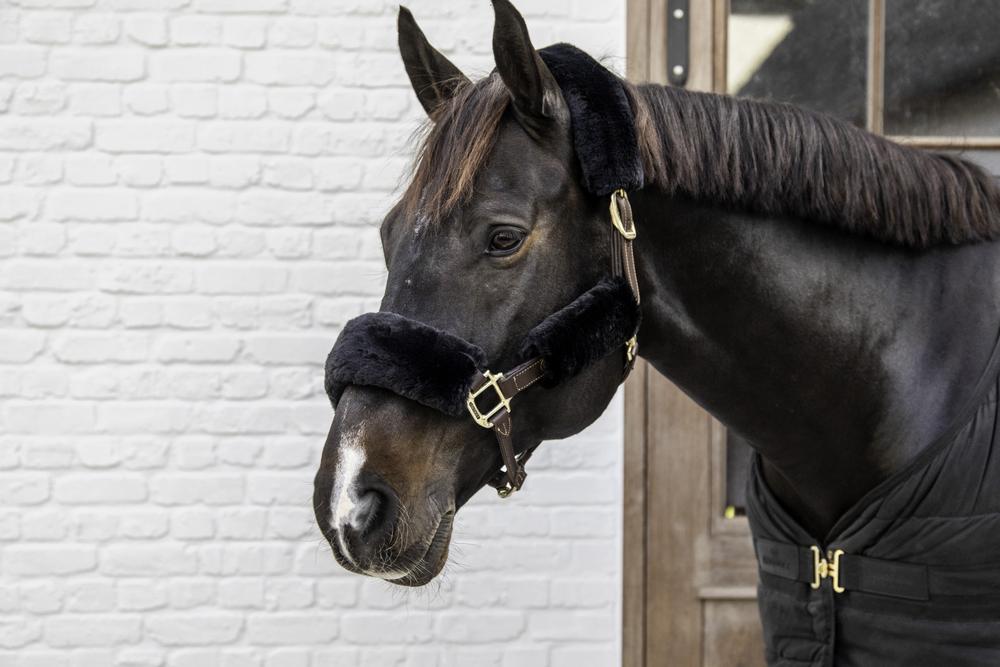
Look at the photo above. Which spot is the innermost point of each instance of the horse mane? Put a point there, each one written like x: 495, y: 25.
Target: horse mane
x: 778, y: 159
x: 761, y: 157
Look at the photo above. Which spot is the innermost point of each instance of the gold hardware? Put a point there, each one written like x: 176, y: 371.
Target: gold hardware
x: 505, y: 491
x: 616, y: 218
x: 631, y: 346
x: 828, y: 567
x: 484, y: 419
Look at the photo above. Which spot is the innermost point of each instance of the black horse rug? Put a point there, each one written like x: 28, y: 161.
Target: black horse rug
x: 919, y: 567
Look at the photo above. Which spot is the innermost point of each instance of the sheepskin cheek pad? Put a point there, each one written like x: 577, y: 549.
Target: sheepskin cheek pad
x: 437, y: 369
x: 604, y: 132
x: 593, y: 326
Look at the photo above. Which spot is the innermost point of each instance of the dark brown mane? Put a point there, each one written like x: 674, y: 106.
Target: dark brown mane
x: 782, y: 160
x: 458, y: 139
x: 762, y: 157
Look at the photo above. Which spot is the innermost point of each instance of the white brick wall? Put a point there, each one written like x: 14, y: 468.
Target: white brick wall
x: 188, y: 198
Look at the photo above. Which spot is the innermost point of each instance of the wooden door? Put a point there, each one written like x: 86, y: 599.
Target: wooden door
x: 689, y: 570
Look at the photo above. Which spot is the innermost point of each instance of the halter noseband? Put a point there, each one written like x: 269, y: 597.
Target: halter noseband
x: 449, y: 374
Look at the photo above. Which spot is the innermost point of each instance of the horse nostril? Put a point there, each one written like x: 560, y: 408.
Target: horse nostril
x: 369, y: 525
x: 369, y: 512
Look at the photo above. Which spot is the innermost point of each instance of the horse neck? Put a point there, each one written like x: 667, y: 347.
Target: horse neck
x: 837, y: 357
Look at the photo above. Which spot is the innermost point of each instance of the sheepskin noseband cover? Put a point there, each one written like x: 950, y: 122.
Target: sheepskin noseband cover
x: 437, y: 369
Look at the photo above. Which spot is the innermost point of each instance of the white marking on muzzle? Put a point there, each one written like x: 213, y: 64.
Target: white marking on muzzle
x: 343, y: 501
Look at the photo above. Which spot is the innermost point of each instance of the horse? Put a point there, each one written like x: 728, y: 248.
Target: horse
x: 829, y: 295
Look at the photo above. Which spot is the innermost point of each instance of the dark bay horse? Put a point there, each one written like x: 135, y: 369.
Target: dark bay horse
x: 829, y: 295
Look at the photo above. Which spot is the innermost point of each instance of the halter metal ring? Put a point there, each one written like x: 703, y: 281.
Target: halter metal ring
x: 616, y: 216
x: 483, y: 419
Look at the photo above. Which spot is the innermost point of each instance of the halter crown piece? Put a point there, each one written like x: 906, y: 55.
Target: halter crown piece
x: 451, y: 375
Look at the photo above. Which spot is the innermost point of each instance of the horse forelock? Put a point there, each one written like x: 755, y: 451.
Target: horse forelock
x: 457, y: 139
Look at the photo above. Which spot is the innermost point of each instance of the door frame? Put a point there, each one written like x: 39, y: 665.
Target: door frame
x: 679, y: 552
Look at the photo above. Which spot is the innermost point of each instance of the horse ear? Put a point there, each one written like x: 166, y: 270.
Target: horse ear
x: 533, y: 89
x: 434, y: 78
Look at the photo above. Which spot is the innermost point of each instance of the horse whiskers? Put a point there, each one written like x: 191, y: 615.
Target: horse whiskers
x: 415, y: 566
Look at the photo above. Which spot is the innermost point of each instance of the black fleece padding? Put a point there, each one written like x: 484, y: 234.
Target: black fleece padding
x: 411, y: 359
x: 604, y: 132
x: 594, y: 325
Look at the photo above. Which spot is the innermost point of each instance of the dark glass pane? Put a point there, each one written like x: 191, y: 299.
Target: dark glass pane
x: 807, y: 52
x: 738, y: 454
x: 942, y: 67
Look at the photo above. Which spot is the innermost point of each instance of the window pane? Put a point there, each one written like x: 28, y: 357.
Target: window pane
x: 807, y: 52
x: 942, y: 67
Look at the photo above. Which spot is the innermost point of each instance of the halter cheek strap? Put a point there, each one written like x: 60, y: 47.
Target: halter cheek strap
x: 502, y: 388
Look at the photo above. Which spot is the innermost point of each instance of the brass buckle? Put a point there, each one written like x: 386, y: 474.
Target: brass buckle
x: 477, y: 415
x: 519, y: 475
x: 631, y: 346
x: 616, y: 217
x: 828, y: 567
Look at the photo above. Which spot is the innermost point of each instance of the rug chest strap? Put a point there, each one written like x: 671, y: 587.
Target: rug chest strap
x: 847, y: 572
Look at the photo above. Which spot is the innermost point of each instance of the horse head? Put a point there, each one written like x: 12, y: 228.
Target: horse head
x: 494, y: 233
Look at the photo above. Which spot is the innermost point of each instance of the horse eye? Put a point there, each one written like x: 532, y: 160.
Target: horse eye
x: 505, y: 241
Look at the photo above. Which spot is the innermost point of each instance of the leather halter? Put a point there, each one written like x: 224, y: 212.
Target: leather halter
x: 445, y: 372
x: 506, y: 386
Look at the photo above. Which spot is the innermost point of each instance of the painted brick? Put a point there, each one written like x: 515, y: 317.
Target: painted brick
x: 34, y: 560
x: 91, y: 489
x: 92, y: 205
x: 195, y: 65
x: 193, y: 629
x: 94, y: 65
x: 20, y: 347
x: 27, y: 134
x: 191, y: 193
x: 290, y: 69
x: 187, y: 489
x: 374, y: 627
x: 285, y: 629
x: 145, y: 136
x: 149, y: 30
x: 95, y: 28
x: 86, y: 630
x: 23, y: 62
x: 47, y: 28
x: 142, y: 560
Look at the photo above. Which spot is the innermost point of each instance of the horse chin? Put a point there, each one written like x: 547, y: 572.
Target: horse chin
x: 418, y: 565
x: 421, y: 570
